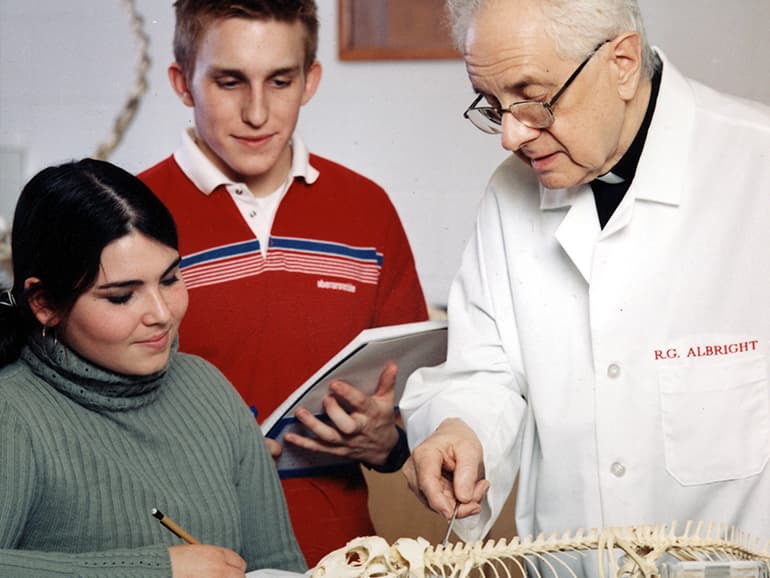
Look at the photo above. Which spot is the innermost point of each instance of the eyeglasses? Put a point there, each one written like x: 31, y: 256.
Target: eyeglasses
x: 531, y: 113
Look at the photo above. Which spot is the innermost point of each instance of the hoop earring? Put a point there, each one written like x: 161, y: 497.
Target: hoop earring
x: 53, y: 334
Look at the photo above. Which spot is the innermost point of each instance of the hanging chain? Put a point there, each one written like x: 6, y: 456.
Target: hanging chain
x: 131, y: 106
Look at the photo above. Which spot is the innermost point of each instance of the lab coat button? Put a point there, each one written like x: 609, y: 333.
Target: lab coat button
x: 618, y: 470
x: 613, y: 370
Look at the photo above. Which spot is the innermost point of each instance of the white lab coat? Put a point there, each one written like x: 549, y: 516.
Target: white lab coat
x: 623, y: 373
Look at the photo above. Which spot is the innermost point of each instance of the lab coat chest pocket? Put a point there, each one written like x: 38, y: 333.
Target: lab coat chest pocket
x: 716, y: 419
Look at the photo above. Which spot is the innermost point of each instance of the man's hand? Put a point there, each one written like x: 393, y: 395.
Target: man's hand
x: 274, y: 448
x: 200, y: 560
x: 448, y: 469
x: 362, y: 428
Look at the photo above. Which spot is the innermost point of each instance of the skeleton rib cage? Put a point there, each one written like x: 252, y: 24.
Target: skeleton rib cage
x: 639, y: 551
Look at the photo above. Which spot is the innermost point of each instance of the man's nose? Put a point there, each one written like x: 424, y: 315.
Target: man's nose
x: 255, y: 108
x: 515, y: 133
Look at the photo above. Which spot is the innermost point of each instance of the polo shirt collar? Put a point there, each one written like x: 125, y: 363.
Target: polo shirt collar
x: 207, y: 176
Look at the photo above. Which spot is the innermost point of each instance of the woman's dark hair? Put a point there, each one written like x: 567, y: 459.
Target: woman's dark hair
x: 66, y: 215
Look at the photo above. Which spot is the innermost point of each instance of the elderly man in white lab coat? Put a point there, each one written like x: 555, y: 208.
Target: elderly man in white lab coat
x: 610, y: 323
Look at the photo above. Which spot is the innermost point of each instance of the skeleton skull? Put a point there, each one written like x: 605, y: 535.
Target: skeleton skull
x: 373, y: 557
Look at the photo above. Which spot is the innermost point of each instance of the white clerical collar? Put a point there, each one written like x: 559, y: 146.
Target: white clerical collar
x: 610, y: 178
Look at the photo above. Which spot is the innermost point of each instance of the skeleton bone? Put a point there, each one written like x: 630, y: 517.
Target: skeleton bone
x: 641, y: 546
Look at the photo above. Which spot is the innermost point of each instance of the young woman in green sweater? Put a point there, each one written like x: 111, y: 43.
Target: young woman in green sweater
x: 101, y: 420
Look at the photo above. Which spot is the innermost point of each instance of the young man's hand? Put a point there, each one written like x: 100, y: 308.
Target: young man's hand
x: 365, y: 431
x: 274, y: 448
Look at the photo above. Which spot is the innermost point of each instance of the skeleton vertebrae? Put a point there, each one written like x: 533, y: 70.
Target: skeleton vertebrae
x: 641, y: 547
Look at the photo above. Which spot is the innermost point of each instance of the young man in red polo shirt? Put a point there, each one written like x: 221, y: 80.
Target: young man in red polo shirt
x: 287, y: 255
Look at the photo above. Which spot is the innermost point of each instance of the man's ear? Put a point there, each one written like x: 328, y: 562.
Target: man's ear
x: 626, y: 55
x: 178, y: 80
x: 46, y: 316
x: 312, y: 79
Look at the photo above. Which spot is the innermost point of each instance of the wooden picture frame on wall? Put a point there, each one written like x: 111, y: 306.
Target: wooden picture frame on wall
x: 394, y: 30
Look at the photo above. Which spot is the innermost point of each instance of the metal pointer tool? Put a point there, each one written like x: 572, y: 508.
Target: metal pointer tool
x: 451, y: 524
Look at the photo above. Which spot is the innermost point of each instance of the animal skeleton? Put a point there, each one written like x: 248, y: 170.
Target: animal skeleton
x: 641, y: 547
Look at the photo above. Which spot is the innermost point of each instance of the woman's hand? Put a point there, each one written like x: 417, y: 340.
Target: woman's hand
x: 204, y: 561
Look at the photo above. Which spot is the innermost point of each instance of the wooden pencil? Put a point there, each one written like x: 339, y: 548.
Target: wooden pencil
x: 173, y: 526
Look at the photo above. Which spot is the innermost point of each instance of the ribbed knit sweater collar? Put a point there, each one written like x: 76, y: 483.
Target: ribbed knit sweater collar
x: 87, y: 384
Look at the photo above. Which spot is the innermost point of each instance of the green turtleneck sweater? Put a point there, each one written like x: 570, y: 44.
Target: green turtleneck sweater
x: 86, y: 454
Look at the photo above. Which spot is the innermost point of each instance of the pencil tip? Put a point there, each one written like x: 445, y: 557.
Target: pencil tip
x: 157, y: 513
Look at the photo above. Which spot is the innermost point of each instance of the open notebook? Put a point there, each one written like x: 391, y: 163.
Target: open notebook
x: 360, y: 362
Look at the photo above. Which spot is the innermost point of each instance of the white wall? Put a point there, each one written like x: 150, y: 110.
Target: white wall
x: 66, y: 67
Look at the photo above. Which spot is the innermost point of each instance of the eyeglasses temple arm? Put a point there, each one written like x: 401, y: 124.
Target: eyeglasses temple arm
x: 573, y: 76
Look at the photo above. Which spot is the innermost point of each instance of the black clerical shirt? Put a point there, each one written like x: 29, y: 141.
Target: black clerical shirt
x: 610, y: 188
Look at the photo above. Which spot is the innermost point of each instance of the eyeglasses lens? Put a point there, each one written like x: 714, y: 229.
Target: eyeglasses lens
x: 531, y: 114
x: 486, y: 119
